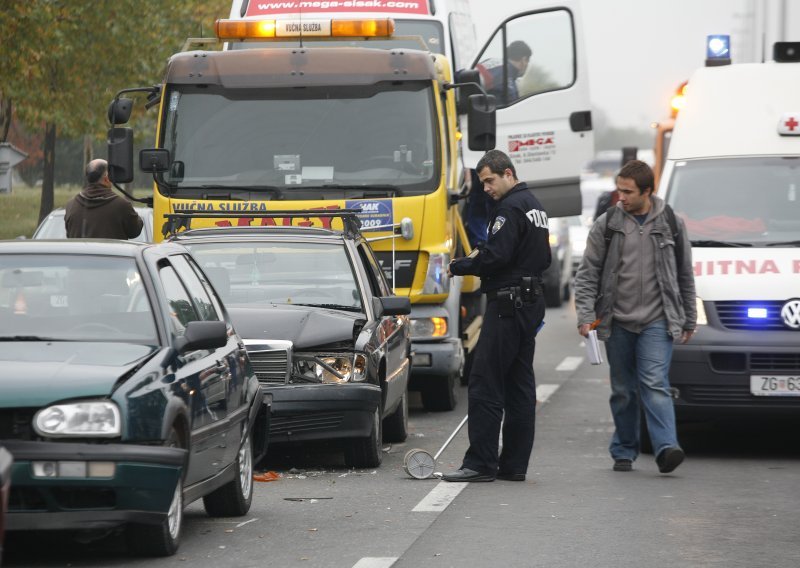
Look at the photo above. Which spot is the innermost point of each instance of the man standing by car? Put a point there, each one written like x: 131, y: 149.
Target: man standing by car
x: 97, y: 212
x: 636, y: 286
x: 502, y: 382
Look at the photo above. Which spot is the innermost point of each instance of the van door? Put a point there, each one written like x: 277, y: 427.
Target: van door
x: 535, y: 67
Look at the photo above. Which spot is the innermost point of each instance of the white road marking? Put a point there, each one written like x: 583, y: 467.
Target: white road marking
x: 244, y: 523
x: 440, y: 497
x: 569, y: 364
x: 374, y: 562
x: 543, y: 392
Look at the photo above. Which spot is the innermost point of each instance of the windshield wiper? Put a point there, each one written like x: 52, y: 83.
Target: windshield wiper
x: 273, y: 189
x: 783, y: 244
x: 26, y: 338
x: 331, y: 306
x: 706, y: 243
x: 371, y: 188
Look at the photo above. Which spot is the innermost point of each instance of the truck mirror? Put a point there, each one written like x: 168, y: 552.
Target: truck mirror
x: 119, y: 111
x: 154, y: 160
x: 120, y: 155
x: 464, y: 77
x: 481, y: 122
x: 407, y: 228
x: 629, y: 153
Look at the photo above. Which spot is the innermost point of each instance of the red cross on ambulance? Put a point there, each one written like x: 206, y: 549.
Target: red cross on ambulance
x: 789, y: 124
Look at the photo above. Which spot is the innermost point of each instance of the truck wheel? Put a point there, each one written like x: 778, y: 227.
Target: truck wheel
x: 553, y: 294
x: 468, y: 358
x: 367, y: 452
x: 439, y: 393
x: 395, y: 426
x: 235, y: 497
x: 163, y: 538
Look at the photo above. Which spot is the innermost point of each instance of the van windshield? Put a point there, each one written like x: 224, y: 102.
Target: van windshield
x: 298, y: 143
x: 754, y: 201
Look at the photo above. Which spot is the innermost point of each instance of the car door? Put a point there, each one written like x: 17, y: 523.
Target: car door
x: 391, y: 330
x: 543, y: 113
x: 201, y: 374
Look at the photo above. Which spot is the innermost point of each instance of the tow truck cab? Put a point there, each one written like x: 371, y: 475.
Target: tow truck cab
x: 733, y: 175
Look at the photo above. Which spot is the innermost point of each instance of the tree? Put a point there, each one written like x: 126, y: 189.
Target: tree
x: 61, y: 61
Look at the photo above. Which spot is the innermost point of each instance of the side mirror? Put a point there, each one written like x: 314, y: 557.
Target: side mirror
x: 482, y: 122
x: 154, y: 160
x: 202, y: 335
x: 120, y: 154
x: 463, y: 93
x: 391, y: 306
x: 119, y: 111
x: 407, y: 228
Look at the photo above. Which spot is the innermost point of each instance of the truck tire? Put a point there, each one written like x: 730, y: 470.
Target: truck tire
x: 439, y: 393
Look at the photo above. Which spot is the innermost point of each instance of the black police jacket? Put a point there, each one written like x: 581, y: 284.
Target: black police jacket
x: 518, y: 243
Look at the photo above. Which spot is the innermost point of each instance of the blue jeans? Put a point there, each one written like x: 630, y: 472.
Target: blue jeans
x: 640, y: 371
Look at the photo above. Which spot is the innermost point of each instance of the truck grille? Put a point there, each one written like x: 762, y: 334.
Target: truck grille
x: 733, y: 315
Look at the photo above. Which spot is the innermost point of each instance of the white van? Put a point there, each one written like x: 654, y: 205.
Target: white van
x: 733, y: 175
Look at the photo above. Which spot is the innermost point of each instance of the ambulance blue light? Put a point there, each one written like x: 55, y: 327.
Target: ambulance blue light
x: 718, y: 47
x: 757, y: 313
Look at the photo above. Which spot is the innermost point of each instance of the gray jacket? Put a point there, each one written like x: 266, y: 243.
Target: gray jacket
x: 596, y: 285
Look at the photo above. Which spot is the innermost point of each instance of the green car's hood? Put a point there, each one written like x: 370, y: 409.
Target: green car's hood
x: 34, y: 374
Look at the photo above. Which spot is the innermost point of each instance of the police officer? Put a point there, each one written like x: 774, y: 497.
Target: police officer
x: 510, y: 265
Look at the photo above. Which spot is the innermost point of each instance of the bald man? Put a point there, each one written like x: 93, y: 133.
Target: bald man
x: 99, y: 213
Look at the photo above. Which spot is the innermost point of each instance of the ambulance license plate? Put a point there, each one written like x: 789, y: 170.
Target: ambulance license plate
x: 775, y: 385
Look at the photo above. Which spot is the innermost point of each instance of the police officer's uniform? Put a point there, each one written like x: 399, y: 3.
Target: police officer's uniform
x: 510, y: 266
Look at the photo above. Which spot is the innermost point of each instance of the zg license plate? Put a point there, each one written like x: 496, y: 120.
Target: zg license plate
x: 774, y: 385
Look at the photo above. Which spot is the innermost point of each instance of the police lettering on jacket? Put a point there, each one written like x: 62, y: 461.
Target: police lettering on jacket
x: 517, y: 245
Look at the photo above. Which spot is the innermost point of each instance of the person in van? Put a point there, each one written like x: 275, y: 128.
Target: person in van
x: 635, y: 285
x: 518, y: 55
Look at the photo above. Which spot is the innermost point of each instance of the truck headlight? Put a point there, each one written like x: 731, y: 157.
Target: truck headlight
x: 701, y: 311
x: 436, y: 279
x: 80, y: 419
x: 330, y: 368
x: 425, y: 328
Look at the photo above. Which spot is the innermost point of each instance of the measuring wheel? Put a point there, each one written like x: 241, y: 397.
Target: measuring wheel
x: 419, y: 464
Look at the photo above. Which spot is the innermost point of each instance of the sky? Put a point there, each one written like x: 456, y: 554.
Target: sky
x: 639, y: 51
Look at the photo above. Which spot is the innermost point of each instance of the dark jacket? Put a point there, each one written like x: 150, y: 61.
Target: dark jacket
x: 99, y: 213
x: 517, y: 245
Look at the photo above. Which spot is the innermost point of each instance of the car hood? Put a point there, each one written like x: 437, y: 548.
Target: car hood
x: 757, y: 273
x: 35, y: 374
x: 305, y: 327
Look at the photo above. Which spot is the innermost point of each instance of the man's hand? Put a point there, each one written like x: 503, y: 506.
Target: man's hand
x: 686, y: 335
x: 584, y: 329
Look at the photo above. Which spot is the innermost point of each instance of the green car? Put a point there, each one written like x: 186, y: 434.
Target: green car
x: 125, y: 393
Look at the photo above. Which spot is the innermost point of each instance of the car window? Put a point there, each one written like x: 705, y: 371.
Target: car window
x: 181, y: 310
x: 202, y: 303
x: 208, y: 287
x: 374, y: 273
x: 279, y: 272
x: 74, y: 298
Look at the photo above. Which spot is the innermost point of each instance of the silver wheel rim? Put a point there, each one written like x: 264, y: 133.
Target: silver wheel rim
x: 376, y: 423
x: 246, y: 467
x: 175, y: 513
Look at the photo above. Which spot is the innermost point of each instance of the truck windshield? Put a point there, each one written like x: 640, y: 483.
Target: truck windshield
x: 287, y: 141
x: 754, y: 201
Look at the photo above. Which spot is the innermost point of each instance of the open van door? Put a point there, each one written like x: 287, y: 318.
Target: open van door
x: 544, y: 119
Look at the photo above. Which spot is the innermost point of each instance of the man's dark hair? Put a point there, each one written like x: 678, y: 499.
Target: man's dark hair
x: 497, y: 162
x: 516, y: 50
x: 95, y: 170
x: 639, y: 172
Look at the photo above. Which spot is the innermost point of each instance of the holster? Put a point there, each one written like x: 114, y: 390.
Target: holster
x: 530, y: 288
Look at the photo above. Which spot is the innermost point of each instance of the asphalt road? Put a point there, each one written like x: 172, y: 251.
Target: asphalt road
x: 734, y: 502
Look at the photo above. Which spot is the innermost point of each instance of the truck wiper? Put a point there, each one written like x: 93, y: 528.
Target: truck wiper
x: 783, y: 244
x: 704, y: 243
x: 275, y: 190
x: 371, y: 188
x: 331, y: 306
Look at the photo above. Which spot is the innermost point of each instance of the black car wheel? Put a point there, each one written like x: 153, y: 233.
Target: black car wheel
x: 439, y: 393
x: 395, y: 426
x: 235, y: 497
x: 367, y: 452
x: 161, y: 539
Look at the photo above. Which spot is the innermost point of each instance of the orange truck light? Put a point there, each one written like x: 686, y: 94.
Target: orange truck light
x: 244, y: 29
x: 271, y: 29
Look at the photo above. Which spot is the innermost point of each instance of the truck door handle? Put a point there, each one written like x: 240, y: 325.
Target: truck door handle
x: 580, y: 121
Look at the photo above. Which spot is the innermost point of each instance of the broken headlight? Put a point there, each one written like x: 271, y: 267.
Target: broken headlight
x: 329, y: 368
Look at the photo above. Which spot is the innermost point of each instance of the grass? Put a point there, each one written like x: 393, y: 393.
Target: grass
x: 19, y: 210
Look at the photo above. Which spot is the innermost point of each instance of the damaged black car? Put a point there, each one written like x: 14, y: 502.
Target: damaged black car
x: 326, y: 336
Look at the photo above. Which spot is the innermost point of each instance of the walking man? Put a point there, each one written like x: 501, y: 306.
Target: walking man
x: 501, y: 382
x: 99, y: 213
x: 636, y: 286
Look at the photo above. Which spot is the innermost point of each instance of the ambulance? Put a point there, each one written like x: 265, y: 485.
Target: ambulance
x: 733, y: 174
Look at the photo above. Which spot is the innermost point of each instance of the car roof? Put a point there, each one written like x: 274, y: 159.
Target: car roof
x: 107, y: 247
